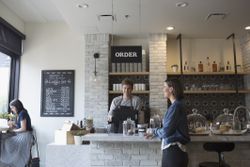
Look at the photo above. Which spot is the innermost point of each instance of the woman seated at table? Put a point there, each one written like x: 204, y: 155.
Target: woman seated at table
x: 15, y: 150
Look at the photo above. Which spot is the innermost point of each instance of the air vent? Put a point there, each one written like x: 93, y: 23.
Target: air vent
x: 216, y: 16
x: 105, y: 17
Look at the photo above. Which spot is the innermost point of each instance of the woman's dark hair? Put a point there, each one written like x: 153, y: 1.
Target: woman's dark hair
x: 18, y: 104
x: 177, y: 88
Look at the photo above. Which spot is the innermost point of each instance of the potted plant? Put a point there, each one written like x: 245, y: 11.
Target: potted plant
x: 4, y: 118
x: 78, y: 136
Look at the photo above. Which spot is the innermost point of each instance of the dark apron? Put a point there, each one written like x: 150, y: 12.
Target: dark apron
x: 120, y: 114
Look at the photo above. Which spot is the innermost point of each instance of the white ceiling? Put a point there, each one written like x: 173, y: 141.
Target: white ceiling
x: 153, y: 17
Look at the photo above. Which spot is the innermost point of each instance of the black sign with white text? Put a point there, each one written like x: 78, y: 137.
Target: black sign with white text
x: 57, y: 99
x: 126, y: 54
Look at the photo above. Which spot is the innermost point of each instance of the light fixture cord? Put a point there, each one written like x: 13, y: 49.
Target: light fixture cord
x: 112, y: 25
x: 95, y: 72
x: 139, y: 17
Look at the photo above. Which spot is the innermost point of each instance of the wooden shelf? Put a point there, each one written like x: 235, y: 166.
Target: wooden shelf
x: 208, y: 91
x: 134, y: 92
x: 128, y: 73
x: 214, y: 91
x: 208, y: 73
x: 244, y: 91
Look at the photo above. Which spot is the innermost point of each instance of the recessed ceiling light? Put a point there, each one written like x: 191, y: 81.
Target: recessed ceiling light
x: 82, y: 5
x: 247, y: 28
x: 85, y: 5
x: 170, y: 28
x: 182, y: 4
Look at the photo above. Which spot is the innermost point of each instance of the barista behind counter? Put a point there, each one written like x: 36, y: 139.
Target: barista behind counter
x: 125, y: 106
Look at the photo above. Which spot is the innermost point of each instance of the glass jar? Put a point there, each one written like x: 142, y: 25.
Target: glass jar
x: 197, y: 123
x: 128, y: 127
x: 223, y: 123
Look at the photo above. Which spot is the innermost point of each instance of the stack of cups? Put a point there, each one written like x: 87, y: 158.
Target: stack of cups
x: 140, y: 87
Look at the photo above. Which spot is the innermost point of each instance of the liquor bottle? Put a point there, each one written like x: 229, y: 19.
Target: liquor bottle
x: 185, y: 68
x: 214, y: 67
x: 200, y: 67
x: 208, y: 65
x: 228, y: 66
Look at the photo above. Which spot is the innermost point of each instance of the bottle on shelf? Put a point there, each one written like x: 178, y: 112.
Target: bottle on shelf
x: 214, y: 67
x: 185, y: 67
x: 208, y: 65
x: 228, y: 66
x: 200, y: 67
x: 221, y: 67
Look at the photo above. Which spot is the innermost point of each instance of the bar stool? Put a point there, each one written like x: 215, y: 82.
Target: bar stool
x: 218, y: 147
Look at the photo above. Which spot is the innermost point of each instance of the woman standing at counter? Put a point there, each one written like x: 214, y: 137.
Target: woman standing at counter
x: 15, y: 150
x: 174, y: 133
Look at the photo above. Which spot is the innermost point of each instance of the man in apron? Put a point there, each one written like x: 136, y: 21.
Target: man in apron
x: 125, y: 106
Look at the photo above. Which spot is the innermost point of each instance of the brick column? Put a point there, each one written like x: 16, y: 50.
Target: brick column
x: 96, y: 93
x: 245, y: 49
x: 157, y: 65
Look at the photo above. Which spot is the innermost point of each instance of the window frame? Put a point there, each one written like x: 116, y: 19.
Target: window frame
x: 11, y: 43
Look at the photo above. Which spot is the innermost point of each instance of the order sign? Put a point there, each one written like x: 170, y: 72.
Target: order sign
x: 126, y: 54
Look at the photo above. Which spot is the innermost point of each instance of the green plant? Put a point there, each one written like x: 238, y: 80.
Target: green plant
x: 5, y: 115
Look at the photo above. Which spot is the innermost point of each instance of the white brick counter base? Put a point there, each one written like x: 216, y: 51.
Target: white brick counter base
x: 125, y: 154
x: 116, y: 150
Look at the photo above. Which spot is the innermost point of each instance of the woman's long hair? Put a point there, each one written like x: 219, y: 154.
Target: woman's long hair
x: 177, y: 88
x: 18, y: 104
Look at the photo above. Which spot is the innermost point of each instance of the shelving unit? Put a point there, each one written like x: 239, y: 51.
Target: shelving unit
x: 210, y: 92
x: 128, y: 73
x: 208, y: 73
x: 136, y: 77
x: 217, y: 91
x: 134, y: 92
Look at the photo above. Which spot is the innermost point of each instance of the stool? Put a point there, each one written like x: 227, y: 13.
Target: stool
x: 218, y: 147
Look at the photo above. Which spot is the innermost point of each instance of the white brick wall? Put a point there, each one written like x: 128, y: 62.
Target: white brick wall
x: 96, y: 93
x: 157, y: 65
x: 245, y: 49
x: 125, y: 154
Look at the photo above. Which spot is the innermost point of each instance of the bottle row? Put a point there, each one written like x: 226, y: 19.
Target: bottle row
x: 128, y: 67
x: 136, y: 87
x: 206, y: 66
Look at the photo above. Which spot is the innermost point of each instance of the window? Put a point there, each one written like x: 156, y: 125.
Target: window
x: 5, y: 66
x: 10, y: 55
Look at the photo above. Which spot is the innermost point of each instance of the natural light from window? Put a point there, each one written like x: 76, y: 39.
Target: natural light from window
x: 5, y: 61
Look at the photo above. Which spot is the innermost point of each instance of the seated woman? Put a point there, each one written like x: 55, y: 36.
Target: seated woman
x: 15, y: 150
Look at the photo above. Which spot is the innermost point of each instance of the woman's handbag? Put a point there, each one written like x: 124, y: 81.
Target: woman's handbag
x: 35, y: 161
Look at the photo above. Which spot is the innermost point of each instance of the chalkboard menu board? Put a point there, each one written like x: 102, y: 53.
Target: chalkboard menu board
x: 57, y: 93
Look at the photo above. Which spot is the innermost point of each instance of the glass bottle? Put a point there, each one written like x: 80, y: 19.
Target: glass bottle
x: 214, y: 66
x: 208, y: 65
x: 152, y: 123
x: 228, y: 66
x: 200, y: 67
x: 185, y: 68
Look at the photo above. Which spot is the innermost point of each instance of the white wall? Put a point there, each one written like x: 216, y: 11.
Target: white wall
x: 11, y: 18
x: 50, y: 46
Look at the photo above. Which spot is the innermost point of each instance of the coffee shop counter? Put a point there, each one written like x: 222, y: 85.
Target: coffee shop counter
x: 118, y: 150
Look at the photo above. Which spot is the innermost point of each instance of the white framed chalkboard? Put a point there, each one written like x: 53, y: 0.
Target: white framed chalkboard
x: 57, y: 93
